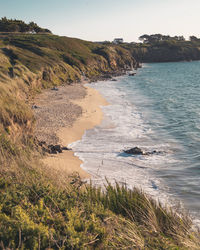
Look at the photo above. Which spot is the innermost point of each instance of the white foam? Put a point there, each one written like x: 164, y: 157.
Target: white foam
x: 123, y: 127
x: 130, y: 121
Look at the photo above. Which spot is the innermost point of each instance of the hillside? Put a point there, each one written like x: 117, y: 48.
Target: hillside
x: 36, y: 211
x: 165, y: 51
x: 29, y: 63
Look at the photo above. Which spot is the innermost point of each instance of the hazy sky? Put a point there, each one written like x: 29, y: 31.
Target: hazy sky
x: 98, y: 20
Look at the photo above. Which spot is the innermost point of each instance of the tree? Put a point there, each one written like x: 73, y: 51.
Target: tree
x: 156, y: 38
x: 193, y: 38
x: 13, y: 25
x: 144, y: 38
x: 151, y: 38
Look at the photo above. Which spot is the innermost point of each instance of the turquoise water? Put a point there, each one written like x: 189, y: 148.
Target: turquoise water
x: 157, y: 109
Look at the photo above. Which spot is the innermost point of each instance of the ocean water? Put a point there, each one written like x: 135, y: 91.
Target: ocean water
x: 157, y: 109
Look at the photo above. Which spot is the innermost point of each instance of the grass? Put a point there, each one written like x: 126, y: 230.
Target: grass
x: 37, y: 212
x: 36, y: 215
x: 44, y: 50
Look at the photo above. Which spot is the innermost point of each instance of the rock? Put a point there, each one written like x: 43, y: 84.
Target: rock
x: 42, y: 143
x: 46, y: 150
x: 154, y: 152
x: 58, y: 148
x: 134, y: 151
x: 54, y: 149
x: 65, y: 148
x: 43, y: 146
x: 138, y: 151
x: 113, y: 80
x: 54, y: 88
x: 35, y: 107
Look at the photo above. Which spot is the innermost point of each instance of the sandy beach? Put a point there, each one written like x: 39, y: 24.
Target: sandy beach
x: 62, y: 116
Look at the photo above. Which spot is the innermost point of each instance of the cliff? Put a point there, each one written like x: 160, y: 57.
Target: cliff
x: 165, y: 51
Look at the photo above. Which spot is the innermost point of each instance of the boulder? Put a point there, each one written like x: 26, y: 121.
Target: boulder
x: 134, y: 151
x: 54, y: 88
x: 138, y: 151
x: 58, y: 148
x: 65, y: 148
x: 54, y: 149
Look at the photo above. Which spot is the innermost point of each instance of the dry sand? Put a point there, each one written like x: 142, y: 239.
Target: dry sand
x: 62, y: 117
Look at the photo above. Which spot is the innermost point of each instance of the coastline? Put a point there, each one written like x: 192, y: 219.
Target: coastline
x: 91, y: 115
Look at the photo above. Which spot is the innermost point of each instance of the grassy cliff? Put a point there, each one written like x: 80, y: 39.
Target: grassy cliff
x: 165, y: 51
x: 36, y: 212
x: 29, y: 63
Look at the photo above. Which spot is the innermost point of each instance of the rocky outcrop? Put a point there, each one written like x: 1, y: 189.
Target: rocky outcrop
x: 51, y: 149
x: 139, y: 151
x: 134, y: 151
x: 165, y: 52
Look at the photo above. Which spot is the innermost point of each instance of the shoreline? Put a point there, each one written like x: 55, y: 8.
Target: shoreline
x: 66, y: 163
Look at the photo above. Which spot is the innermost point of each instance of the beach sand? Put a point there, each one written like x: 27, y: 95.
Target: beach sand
x: 62, y: 117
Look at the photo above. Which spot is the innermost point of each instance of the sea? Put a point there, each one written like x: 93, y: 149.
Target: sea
x: 157, y: 110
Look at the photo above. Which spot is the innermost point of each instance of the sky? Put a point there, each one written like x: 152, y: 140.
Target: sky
x: 100, y: 20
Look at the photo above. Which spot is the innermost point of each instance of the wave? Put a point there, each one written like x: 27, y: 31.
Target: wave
x: 123, y: 127
x: 138, y: 115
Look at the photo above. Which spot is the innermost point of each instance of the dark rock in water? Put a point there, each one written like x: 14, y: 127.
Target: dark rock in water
x: 153, y: 152
x: 138, y: 151
x: 134, y: 151
x: 113, y: 80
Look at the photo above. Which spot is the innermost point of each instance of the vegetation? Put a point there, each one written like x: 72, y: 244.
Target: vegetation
x: 29, y: 63
x: 163, y: 48
x: 40, y: 216
x: 159, y: 37
x: 13, y: 25
x: 37, y: 211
